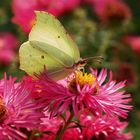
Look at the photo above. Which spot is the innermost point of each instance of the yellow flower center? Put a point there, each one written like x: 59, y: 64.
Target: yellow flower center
x: 84, y: 78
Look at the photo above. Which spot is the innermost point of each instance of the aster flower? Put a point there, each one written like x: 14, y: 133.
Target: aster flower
x: 24, y: 12
x: 18, y: 110
x: 102, y: 128
x: 90, y: 127
x: 48, y: 127
x: 82, y: 90
x: 8, y: 44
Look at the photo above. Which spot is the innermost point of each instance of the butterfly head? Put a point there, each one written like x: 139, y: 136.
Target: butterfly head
x: 80, y: 64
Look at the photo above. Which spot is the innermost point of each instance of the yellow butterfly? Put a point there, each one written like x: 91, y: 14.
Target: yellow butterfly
x: 50, y: 45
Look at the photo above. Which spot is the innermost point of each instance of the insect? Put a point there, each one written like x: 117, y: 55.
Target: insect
x: 50, y: 45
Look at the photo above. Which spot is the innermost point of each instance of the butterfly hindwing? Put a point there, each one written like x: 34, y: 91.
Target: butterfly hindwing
x: 33, y: 60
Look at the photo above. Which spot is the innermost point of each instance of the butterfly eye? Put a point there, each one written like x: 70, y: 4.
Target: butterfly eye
x: 83, y: 62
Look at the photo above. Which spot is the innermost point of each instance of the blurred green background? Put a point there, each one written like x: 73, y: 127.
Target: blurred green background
x: 114, y: 34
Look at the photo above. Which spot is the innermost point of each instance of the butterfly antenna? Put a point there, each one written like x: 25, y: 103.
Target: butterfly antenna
x: 96, y: 58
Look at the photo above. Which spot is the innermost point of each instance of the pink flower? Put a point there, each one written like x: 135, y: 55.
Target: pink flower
x: 133, y: 42
x: 102, y: 128
x: 24, y: 11
x: 111, y: 10
x: 73, y: 134
x: 89, y: 127
x: 58, y: 7
x: 18, y: 109
x: 82, y: 90
x: 49, y: 127
x: 8, y: 44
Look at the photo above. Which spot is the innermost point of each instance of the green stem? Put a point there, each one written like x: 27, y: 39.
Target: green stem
x: 60, y: 134
x: 32, y: 135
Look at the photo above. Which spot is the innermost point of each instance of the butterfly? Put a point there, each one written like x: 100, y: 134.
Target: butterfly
x: 51, y: 46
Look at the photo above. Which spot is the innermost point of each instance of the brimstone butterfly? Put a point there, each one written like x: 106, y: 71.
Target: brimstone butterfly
x: 49, y: 45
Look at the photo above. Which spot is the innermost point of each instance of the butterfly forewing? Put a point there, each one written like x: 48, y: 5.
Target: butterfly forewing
x: 49, y: 31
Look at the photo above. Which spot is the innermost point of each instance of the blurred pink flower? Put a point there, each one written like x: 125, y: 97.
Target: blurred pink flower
x: 84, y: 91
x: 133, y: 42
x: 24, y: 11
x: 8, y: 44
x: 111, y: 10
x: 18, y: 109
x: 87, y: 2
x: 130, y: 76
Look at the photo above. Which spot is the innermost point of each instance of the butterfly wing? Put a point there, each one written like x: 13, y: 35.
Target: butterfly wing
x: 49, y: 36
x: 61, y: 56
x: 33, y: 61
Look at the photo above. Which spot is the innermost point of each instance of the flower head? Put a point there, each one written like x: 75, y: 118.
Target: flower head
x: 102, y: 128
x: 24, y: 12
x: 18, y: 109
x: 81, y: 90
x: 8, y: 44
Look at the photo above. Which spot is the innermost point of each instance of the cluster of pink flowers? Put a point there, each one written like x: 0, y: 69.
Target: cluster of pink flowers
x: 90, y: 105
x: 90, y: 127
x: 81, y: 106
x: 24, y: 11
x: 103, y: 128
x: 106, y: 10
x: 94, y: 94
x: 8, y: 44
